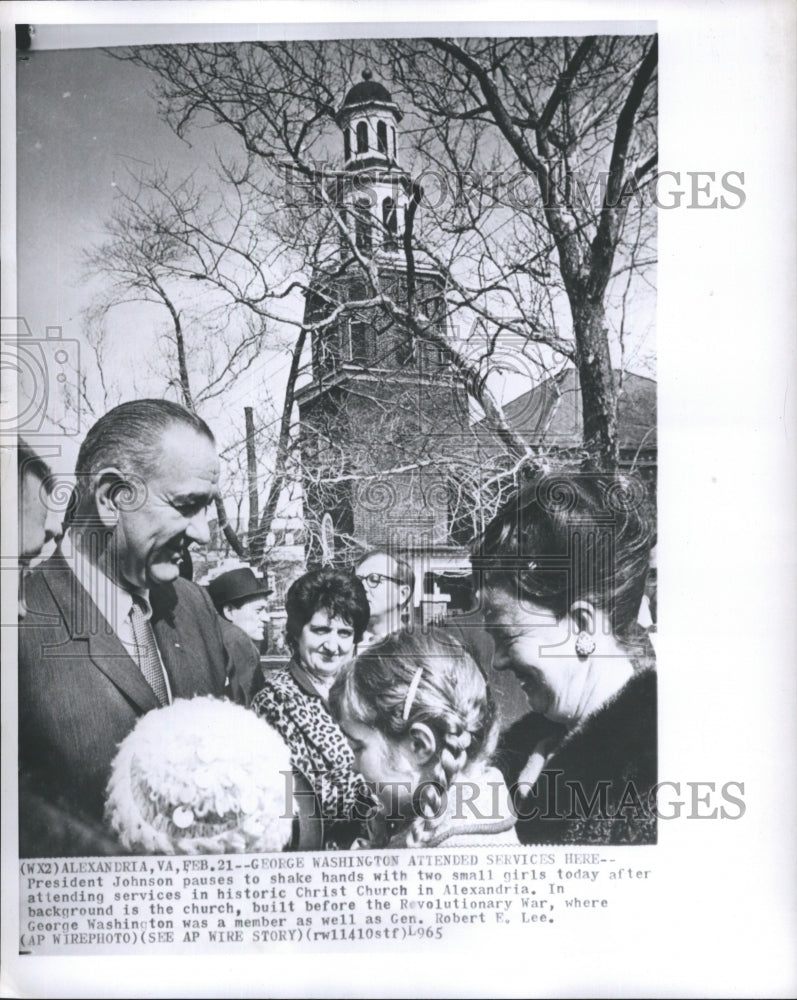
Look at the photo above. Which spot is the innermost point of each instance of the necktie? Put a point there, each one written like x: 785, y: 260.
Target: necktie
x: 147, y: 651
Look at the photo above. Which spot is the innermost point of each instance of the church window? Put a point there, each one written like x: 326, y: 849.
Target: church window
x: 346, y: 143
x: 394, y: 142
x: 362, y: 137
x: 390, y: 222
x: 381, y: 137
x: 362, y: 224
x: 328, y: 350
x: 359, y: 341
x: 345, y: 339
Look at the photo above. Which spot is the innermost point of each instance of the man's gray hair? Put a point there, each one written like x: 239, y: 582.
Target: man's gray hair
x: 128, y: 438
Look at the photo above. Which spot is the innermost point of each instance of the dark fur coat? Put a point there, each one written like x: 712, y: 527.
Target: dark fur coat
x: 597, y: 786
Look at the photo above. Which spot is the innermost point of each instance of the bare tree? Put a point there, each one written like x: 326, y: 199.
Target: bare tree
x: 279, y: 100
x: 530, y: 158
x: 543, y: 147
x: 548, y: 144
x: 143, y: 255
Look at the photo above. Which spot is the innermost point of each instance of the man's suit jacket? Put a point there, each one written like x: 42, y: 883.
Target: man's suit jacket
x: 80, y: 693
x: 245, y: 659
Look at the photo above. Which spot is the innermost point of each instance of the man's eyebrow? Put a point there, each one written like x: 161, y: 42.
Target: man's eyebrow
x: 202, y: 496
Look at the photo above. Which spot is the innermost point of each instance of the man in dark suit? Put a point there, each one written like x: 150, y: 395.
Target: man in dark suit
x: 242, y: 601
x: 111, y: 630
x: 38, y: 523
x: 37, y: 519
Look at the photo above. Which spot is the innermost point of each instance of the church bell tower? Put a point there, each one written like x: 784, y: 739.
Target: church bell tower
x: 382, y: 407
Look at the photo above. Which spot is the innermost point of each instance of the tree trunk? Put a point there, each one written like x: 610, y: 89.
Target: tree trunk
x: 598, y: 395
x: 251, y: 473
x: 229, y: 532
x: 281, y: 461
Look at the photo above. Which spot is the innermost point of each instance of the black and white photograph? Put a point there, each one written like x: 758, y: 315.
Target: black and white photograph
x: 337, y: 360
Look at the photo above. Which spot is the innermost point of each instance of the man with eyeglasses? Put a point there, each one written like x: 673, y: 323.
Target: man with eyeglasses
x: 389, y: 583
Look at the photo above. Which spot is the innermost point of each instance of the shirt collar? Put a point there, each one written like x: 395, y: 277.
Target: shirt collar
x: 113, y: 600
x: 305, y: 680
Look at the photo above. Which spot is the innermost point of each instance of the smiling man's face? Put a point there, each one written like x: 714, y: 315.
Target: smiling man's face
x: 150, y: 541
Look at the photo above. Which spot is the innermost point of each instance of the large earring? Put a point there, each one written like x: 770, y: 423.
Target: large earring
x: 585, y: 645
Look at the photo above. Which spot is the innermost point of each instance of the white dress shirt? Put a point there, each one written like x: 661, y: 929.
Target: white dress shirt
x: 113, y: 601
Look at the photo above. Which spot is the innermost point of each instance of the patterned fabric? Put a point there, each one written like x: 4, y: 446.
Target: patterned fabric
x: 147, y: 654
x: 317, y: 744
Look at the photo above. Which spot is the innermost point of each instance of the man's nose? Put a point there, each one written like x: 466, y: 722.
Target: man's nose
x: 500, y: 659
x: 198, y: 529
x: 52, y: 525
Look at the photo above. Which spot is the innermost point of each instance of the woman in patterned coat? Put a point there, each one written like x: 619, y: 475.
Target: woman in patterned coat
x: 328, y: 612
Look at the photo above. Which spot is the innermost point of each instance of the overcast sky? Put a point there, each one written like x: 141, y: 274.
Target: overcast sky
x: 83, y: 120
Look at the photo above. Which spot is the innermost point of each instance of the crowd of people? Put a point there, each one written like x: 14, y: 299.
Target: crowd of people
x: 390, y: 728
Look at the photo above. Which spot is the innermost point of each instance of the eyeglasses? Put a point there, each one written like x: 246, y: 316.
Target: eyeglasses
x: 374, y: 579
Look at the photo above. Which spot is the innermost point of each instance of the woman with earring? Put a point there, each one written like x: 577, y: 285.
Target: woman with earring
x: 561, y: 572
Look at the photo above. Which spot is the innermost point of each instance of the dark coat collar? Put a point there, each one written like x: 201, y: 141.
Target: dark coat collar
x: 621, y: 734
x: 303, y: 680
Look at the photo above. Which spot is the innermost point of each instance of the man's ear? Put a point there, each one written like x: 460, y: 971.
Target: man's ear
x: 404, y: 594
x: 584, y: 616
x: 422, y: 743
x: 108, y: 487
x: 226, y: 611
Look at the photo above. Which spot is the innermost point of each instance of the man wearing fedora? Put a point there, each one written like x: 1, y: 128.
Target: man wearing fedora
x: 241, y: 601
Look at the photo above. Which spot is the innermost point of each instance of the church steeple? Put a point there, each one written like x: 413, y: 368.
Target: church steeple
x: 379, y: 391
x: 368, y: 118
x: 378, y: 191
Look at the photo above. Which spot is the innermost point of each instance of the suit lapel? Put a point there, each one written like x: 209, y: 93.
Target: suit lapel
x: 177, y: 646
x: 88, y: 627
x: 173, y: 655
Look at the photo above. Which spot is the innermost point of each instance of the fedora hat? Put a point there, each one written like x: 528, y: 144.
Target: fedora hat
x: 236, y: 585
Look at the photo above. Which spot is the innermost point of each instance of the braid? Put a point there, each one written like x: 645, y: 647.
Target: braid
x: 430, y: 809
x: 452, y: 761
x: 383, y: 689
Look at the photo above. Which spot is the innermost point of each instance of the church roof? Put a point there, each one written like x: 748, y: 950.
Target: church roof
x: 550, y: 413
x: 368, y: 90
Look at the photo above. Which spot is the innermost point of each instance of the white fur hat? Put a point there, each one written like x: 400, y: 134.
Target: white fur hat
x: 201, y: 776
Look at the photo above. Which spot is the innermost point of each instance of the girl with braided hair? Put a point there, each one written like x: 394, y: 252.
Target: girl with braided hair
x: 422, y: 726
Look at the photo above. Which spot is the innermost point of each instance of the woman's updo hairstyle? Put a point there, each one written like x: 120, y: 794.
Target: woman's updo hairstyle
x: 410, y: 678
x: 569, y: 536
